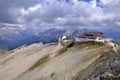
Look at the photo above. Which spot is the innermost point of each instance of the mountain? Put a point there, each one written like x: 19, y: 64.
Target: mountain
x: 15, y: 38
x: 112, y: 32
x: 10, y: 35
x: 3, y: 49
x: 86, y: 61
x: 118, y: 40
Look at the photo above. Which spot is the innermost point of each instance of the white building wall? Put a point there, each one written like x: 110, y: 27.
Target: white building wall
x: 83, y: 39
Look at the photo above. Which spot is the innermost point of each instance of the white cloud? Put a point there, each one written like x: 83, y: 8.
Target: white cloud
x: 107, y: 1
x: 23, y: 11
x: 75, y: 13
x: 30, y: 9
x: 35, y: 8
x: 59, y: 13
x: 94, y: 3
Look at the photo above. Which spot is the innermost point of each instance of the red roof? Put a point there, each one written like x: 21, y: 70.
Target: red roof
x: 91, y: 35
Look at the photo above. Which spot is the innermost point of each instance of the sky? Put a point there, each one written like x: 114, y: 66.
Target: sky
x: 45, y: 14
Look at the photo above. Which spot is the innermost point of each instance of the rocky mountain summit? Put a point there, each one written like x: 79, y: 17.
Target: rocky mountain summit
x: 75, y: 61
x: 107, y: 67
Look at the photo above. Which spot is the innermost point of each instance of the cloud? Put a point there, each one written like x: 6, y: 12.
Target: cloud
x: 109, y: 2
x: 61, y: 13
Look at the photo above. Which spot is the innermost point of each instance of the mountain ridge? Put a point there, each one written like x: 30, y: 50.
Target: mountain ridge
x: 49, y: 35
x: 31, y: 63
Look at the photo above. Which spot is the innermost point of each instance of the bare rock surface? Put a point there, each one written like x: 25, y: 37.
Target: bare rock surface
x: 22, y: 63
x: 107, y: 67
